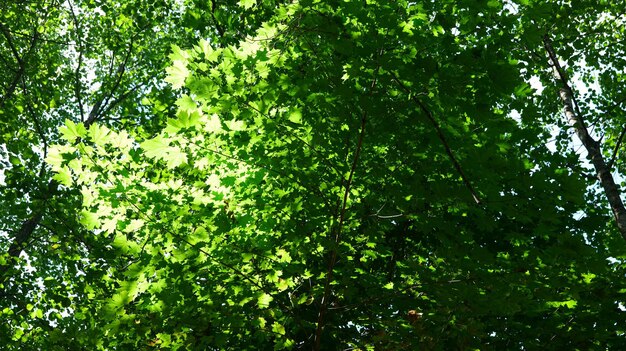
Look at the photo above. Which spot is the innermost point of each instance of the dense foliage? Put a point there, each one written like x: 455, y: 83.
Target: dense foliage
x: 349, y: 175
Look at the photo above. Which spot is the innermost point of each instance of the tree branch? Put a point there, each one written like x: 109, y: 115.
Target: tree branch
x: 104, y: 101
x: 119, y: 100
x: 77, y: 82
x: 333, y: 256
x: 38, y: 127
x: 219, y: 28
x: 7, y: 35
x: 21, y: 70
x: 576, y: 120
x: 27, y: 228
x: 616, y: 148
x: 442, y: 138
x: 20, y: 238
x: 342, y: 215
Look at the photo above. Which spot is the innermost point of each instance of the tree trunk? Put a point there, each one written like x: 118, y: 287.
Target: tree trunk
x: 593, y: 147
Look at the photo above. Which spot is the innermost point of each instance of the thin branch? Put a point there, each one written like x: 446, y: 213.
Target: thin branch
x: 389, y: 216
x: 616, y: 148
x: 329, y: 164
x: 20, y: 238
x: 334, y: 253
x: 119, y: 99
x: 442, y: 138
x: 77, y: 82
x: 9, y: 38
x: 378, y: 215
x: 53, y: 41
x: 333, y: 256
x: 21, y: 70
x: 104, y: 101
x: 218, y: 26
x: 38, y: 127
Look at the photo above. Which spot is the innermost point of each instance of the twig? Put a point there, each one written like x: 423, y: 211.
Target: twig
x: 119, y: 100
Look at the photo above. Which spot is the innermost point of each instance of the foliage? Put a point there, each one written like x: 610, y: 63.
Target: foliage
x: 326, y: 175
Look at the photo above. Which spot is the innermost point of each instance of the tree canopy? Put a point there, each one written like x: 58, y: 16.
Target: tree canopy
x: 325, y: 175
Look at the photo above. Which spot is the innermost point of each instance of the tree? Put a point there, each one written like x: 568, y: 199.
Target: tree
x: 342, y: 175
x: 64, y: 59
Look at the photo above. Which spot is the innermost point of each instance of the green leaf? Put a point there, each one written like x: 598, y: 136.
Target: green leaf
x: 184, y: 120
x: 295, y: 116
x: 98, y: 134
x: 278, y: 328
x: 246, y: 4
x: 63, y: 176
x: 186, y: 103
x: 263, y: 301
x: 126, y: 245
x: 282, y: 284
x: 235, y: 125
x: 174, y: 157
x: 206, y: 49
x: 179, y: 54
x: 37, y: 314
x: 283, y: 255
x: 156, y: 147
x: 588, y: 277
x: 177, y: 74
x: 55, y: 156
x: 71, y: 130
x: 89, y: 219
x: 212, y: 124
x: 494, y: 3
x: 134, y: 225
x: 568, y: 303
x: 17, y: 335
x: 523, y: 90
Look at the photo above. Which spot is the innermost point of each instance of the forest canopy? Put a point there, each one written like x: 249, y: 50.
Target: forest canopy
x: 325, y: 175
